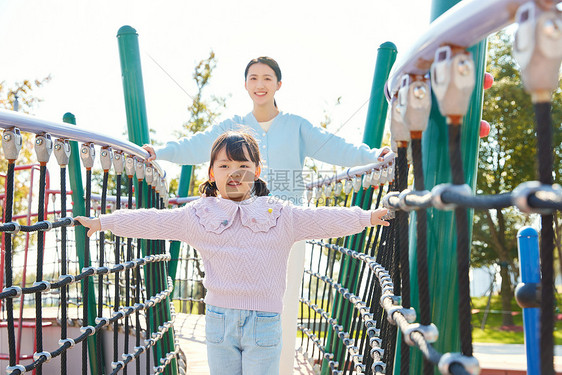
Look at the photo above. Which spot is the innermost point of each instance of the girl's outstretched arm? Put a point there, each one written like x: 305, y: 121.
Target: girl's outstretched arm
x: 327, y: 222
x: 93, y: 224
x: 170, y: 224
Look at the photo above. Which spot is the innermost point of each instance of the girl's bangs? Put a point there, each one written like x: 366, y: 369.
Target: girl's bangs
x: 235, y: 149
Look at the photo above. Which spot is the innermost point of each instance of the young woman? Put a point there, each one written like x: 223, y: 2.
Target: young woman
x: 285, y: 140
x: 244, y: 238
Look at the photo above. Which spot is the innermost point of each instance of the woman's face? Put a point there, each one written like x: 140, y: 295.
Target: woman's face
x: 261, y: 84
x: 234, y: 179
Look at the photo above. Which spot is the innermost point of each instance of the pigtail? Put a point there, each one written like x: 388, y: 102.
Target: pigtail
x: 208, y: 188
x: 260, y: 188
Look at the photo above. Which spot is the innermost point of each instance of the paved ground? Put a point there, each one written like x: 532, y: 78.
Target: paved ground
x: 191, y: 333
x: 509, y: 357
x: 190, y: 330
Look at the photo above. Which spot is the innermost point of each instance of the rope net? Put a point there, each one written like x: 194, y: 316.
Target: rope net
x: 106, y: 297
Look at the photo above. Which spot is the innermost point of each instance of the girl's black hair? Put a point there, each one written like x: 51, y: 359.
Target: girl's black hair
x: 234, y: 143
x: 269, y: 62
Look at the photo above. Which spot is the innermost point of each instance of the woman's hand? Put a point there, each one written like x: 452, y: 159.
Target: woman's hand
x: 385, y: 150
x: 150, y: 150
x: 377, y: 215
x: 94, y: 225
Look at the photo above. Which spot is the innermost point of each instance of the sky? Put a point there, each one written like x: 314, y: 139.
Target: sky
x: 326, y: 50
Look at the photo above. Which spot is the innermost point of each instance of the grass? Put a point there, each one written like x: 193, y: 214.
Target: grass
x: 493, y: 332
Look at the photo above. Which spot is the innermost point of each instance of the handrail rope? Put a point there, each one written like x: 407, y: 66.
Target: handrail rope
x: 527, y: 197
x: 354, y: 328
x: 39, y: 269
x: 117, y: 290
x: 64, y: 289
x: 366, y: 316
x: 357, y: 241
x: 136, y: 275
x: 390, y: 331
x: 377, y: 250
x: 421, y: 246
x: 463, y: 241
x: 41, y: 357
x: 66, y: 280
x: 545, y: 158
x: 86, y: 282
x: 405, y: 315
x: 160, y: 270
x: 8, y: 262
x: 373, y: 239
x: 403, y: 251
x: 101, y: 262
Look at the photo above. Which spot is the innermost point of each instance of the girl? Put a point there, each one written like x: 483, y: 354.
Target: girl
x: 244, y: 238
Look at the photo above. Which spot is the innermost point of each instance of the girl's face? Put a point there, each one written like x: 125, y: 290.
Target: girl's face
x: 234, y: 179
x: 261, y: 84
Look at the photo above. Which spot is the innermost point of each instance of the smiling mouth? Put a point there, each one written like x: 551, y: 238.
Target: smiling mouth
x: 261, y: 93
x: 234, y: 183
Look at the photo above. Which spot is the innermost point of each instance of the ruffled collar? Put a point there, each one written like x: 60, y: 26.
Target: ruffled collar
x: 257, y: 213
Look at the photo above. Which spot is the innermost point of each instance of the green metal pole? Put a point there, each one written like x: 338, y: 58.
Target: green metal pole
x: 183, y: 190
x: 441, y: 233
x: 137, y: 124
x: 372, y: 136
x: 79, y: 209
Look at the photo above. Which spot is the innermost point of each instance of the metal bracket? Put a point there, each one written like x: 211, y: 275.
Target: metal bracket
x: 62, y: 151
x: 87, y: 155
x: 452, y: 80
x: 106, y: 158
x: 470, y: 364
x: 43, y: 147
x: 11, y: 143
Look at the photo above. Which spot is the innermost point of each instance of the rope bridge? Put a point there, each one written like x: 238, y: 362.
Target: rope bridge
x: 123, y: 289
x: 356, y: 302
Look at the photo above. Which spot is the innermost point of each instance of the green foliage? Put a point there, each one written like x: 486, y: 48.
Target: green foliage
x: 507, y: 159
x: 493, y: 332
x: 203, y: 112
x: 26, y: 100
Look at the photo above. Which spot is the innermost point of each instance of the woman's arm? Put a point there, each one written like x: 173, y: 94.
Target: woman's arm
x: 328, y: 222
x: 145, y: 223
x: 330, y: 148
x: 194, y: 149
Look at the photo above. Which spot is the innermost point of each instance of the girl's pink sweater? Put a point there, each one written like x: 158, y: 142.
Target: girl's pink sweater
x: 244, y: 245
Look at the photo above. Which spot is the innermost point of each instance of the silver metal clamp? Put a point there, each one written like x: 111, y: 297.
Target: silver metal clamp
x: 43, y: 147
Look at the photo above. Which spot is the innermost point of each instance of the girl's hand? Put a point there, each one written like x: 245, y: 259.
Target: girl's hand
x: 94, y: 225
x: 376, y: 217
x: 150, y: 150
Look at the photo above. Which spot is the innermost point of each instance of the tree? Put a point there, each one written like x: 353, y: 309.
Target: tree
x: 506, y: 159
x: 21, y: 96
x: 202, y: 112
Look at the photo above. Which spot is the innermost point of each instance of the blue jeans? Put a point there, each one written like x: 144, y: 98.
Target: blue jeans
x: 242, y: 341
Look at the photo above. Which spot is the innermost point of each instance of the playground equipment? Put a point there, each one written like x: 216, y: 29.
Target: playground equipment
x: 356, y: 291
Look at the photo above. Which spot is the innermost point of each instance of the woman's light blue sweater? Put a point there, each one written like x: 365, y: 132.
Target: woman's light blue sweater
x: 283, y: 149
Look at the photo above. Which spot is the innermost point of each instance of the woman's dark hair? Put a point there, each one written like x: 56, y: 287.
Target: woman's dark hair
x: 234, y: 144
x: 269, y: 62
